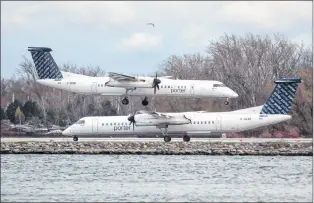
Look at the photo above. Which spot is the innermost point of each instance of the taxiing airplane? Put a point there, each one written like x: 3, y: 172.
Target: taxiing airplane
x: 117, y: 84
x: 275, y: 110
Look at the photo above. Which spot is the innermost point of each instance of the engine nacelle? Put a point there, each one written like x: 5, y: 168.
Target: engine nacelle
x: 130, y: 84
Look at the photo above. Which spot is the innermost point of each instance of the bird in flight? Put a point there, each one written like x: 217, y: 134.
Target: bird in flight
x: 152, y: 24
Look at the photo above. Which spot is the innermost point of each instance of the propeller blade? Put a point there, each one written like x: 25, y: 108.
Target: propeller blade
x: 156, y: 83
x: 132, y: 119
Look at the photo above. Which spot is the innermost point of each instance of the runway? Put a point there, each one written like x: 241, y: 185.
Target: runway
x: 134, y: 139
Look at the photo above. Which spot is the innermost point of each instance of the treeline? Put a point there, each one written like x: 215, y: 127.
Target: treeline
x: 248, y: 64
x: 55, y: 106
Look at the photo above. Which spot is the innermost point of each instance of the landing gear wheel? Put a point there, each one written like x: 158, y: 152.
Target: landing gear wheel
x: 145, y: 102
x: 167, y: 138
x: 75, y: 138
x: 226, y: 102
x: 125, y: 101
x: 186, y: 138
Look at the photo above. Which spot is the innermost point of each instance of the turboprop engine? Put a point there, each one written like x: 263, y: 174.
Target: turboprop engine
x: 158, y: 119
x: 139, y: 82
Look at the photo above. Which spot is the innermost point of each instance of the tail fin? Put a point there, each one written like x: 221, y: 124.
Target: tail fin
x: 45, y: 65
x: 280, y: 100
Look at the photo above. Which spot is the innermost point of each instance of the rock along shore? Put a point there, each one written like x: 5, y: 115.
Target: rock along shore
x: 159, y: 148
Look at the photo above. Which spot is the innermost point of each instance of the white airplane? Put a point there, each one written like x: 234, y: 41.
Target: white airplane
x: 275, y: 110
x: 117, y: 84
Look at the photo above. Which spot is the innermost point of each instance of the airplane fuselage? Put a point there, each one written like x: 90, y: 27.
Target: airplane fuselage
x: 168, y: 87
x: 201, y: 123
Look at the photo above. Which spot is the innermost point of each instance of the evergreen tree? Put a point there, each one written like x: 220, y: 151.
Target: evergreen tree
x: 2, y: 114
x: 31, y: 109
x: 10, y: 111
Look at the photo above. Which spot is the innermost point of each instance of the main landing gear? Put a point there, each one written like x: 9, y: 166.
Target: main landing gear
x: 75, y: 138
x: 125, y: 101
x: 167, y: 138
x: 145, y: 102
x: 227, y: 102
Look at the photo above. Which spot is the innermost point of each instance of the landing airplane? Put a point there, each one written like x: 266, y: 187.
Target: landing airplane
x: 118, y: 84
x: 275, y: 110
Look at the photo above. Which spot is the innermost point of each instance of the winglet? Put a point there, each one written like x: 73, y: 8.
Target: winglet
x: 280, y: 100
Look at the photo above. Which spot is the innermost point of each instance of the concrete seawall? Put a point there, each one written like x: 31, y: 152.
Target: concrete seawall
x: 159, y: 148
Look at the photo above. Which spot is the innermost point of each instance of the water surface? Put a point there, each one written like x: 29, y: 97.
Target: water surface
x: 155, y: 178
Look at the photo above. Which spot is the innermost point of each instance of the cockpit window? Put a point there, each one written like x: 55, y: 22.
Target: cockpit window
x: 80, y: 122
x: 219, y: 85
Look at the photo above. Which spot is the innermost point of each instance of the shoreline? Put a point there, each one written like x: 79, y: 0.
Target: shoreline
x: 159, y: 148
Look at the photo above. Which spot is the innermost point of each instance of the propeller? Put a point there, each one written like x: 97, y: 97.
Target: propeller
x: 156, y: 83
x: 131, y: 119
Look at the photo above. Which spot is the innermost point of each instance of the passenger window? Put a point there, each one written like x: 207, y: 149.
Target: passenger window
x: 106, y: 123
x: 98, y: 85
x: 114, y: 123
x: 168, y: 86
x: 198, y: 122
x: 103, y: 124
x: 126, y: 123
x: 110, y: 123
x: 194, y: 122
x: 201, y: 122
x: 161, y: 86
x: 204, y: 122
x: 213, y: 122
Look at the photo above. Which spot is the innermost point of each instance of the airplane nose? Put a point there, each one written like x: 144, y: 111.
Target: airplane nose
x: 233, y: 94
x: 67, y: 132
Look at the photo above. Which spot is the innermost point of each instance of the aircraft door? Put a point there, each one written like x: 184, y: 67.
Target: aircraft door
x: 94, y: 87
x: 68, y: 86
x: 192, y: 90
x: 95, y: 126
x: 218, y: 122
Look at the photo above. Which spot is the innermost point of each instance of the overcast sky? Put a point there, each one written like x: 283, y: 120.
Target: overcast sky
x: 114, y: 35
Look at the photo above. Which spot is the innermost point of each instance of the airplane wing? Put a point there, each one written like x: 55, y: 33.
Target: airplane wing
x: 154, y: 113
x: 167, y: 76
x: 159, y: 115
x: 121, y: 77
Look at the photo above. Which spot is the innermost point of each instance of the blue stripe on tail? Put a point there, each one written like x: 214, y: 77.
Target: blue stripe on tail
x: 280, y: 100
x: 45, y: 65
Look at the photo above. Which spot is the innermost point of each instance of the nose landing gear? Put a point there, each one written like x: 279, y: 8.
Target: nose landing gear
x: 227, y: 102
x: 75, y: 138
x: 186, y: 138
